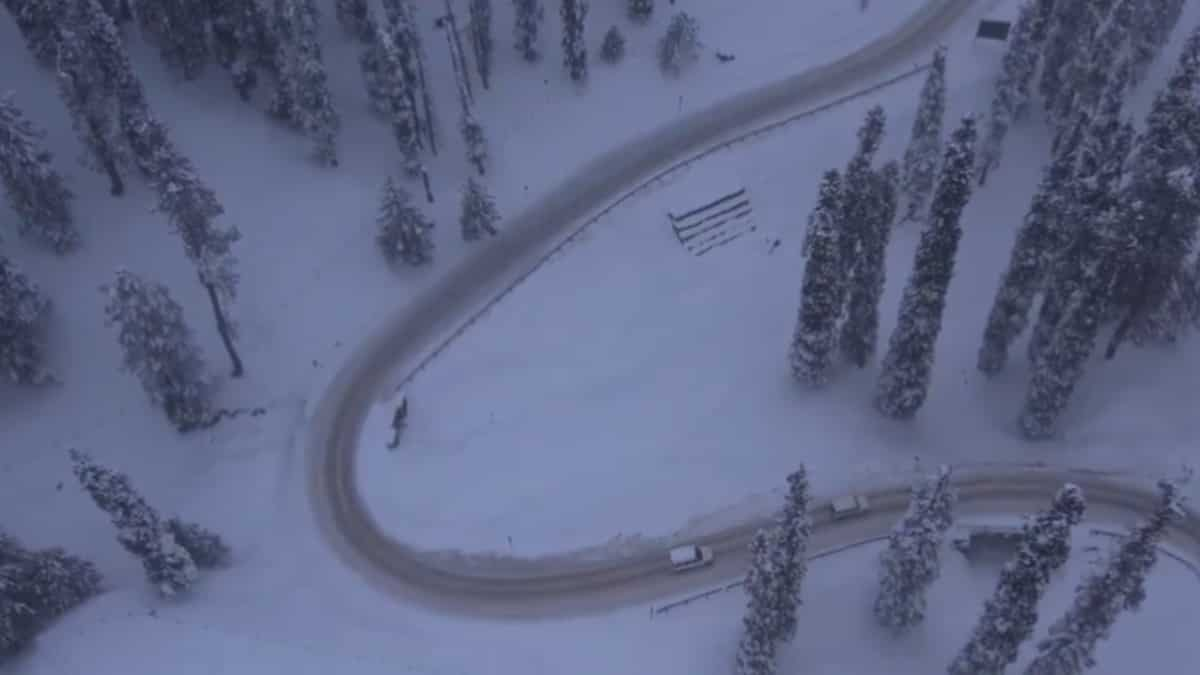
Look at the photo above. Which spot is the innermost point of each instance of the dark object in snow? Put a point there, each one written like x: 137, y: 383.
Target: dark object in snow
x: 399, y: 421
x: 725, y: 57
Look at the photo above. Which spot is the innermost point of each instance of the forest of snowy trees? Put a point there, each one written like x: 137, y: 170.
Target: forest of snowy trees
x: 910, y: 564
x: 1105, y: 253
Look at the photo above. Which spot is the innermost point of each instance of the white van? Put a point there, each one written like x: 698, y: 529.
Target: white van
x: 844, y: 507
x: 688, y: 557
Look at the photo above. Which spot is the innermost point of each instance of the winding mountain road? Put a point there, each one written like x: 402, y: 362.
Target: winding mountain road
x: 564, y: 585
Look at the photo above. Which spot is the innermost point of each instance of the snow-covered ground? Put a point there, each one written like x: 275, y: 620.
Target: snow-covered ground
x: 630, y: 387
x: 313, y: 284
x: 699, y: 638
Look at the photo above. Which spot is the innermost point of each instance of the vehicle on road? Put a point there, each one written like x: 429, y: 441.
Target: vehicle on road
x: 684, y: 558
x: 974, y: 539
x: 849, y: 505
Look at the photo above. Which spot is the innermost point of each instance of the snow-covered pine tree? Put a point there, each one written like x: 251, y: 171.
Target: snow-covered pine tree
x: 1040, y: 239
x: 355, y: 18
x: 38, y: 21
x: 474, y: 141
x: 407, y: 36
x: 303, y: 97
x: 49, y: 582
x: 1011, y: 614
x: 390, y: 94
x: 1120, y: 584
x: 1165, y: 215
x: 1012, y: 87
x: 789, y: 554
x: 911, y: 561
x: 612, y: 49
x: 1084, y: 47
x: 640, y: 10
x: 18, y: 623
x: 756, y: 650
x: 140, y: 531
x: 680, y: 46
x: 92, y: 71
x: 908, y: 363
x: 158, y: 348
x: 192, y: 209
x: 23, y: 311
x: 480, y: 13
x: 1098, y: 70
x: 813, y: 340
x: 1065, y: 19
x: 528, y: 15
x: 860, y: 332
x: 921, y: 157
x: 243, y: 42
x: 404, y: 232
x: 860, y: 211
x: 33, y: 188
x: 574, y: 14
x: 479, y: 215
x: 206, y: 547
x: 1150, y: 31
x: 179, y: 29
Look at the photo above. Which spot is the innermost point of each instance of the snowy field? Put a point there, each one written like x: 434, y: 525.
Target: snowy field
x: 313, y: 284
x: 631, y: 387
x: 834, y: 626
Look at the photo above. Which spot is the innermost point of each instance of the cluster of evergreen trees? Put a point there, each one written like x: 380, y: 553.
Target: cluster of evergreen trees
x: 911, y: 562
x: 37, y: 587
x: 1108, y: 239
x: 1109, y: 235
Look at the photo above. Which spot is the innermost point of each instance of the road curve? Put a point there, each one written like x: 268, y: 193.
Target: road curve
x: 562, y: 585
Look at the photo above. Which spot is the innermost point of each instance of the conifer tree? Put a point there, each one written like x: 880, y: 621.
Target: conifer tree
x: 1085, y: 46
x: 1012, y: 87
x: 355, y: 18
x: 526, y: 24
x: 1011, y: 614
x: 575, y: 57
x: 612, y: 49
x: 1066, y: 20
x: 18, y: 622
x: 860, y: 332
x: 407, y: 36
x: 756, y: 650
x: 1164, y: 211
x: 206, y: 547
x: 49, y: 582
x: 404, y: 232
x: 140, y: 530
x: 911, y: 561
x: 390, y: 93
x: 790, y: 553
x: 1119, y: 584
x: 158, y: 349
x: 34, y: 189
x: 303, y: 97
x: 474, y: 141
x: 1041, y: 237
x: 680, y: 46
x: 859, y: 226
x: 479, y: 215
x: 178, y: 29
x: 93, y: 69
x: 813, y: 340
x: 480, y: 12
x: 192, y: 209
x: 23, y: 311
x: 921, y: 157
x: 908, y: 363
x: 640, y: 10
x: 38, y: 21
x: 244, y: 42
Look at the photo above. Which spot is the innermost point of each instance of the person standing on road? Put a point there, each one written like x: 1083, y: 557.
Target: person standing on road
x: 398, y: 422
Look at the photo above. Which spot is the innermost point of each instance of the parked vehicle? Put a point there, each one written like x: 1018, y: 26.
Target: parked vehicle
x: 849, y: 505
x: 968, y: 539
x: 684, y: 558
